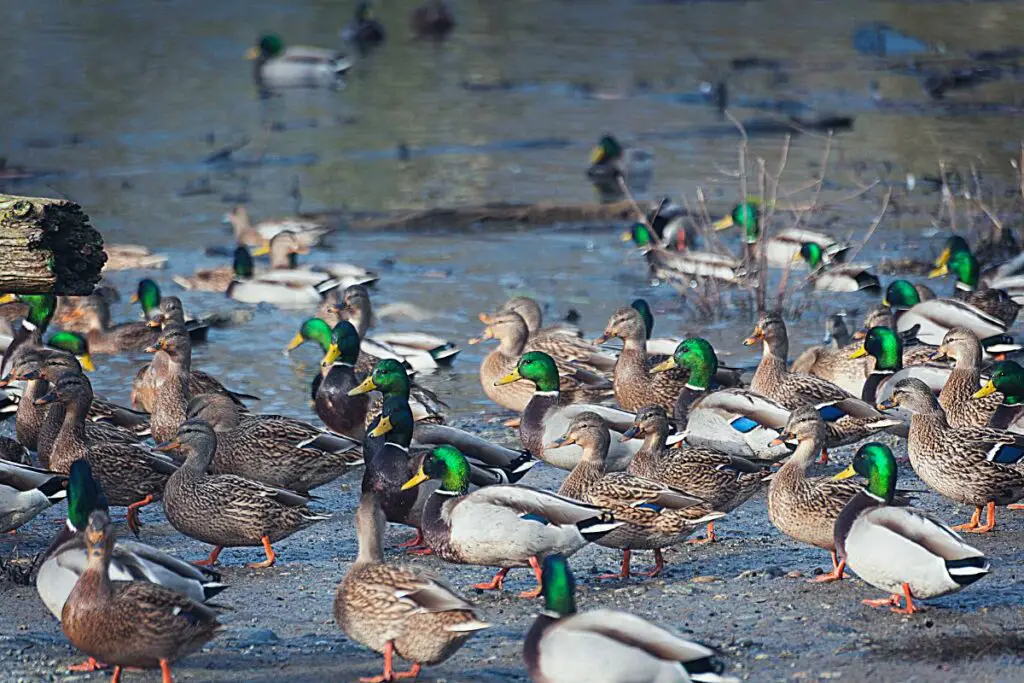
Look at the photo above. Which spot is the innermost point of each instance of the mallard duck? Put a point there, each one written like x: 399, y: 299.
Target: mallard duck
x: 723, y: 481
x: 681, y: 269
x: 28, y: 420
x: 658, y: 346
x: 899, y: 549
x: 606, y: 646
x: 963, y: 346
x: 218, y: 279
x: 806, y: 508
x: 843, y: 277
x: 1007, y: 378
x: 734, y: 421
x: 669, y: 222
x: 172, y: 394
x: 286, y: 246
x: 29, y: 334
x: 964, y: 266
x: 249, y: 288
x: 26, y: 491
x: 129, y: 474
x: 105, y: 338
x: 500, y: 526
x: 610, y: 161
x: 849, y: 419
x: 365, y: 31
x: 936, y: 316
x: 833, y: 362
x: 297, y: 66
x: 141, y: 625
x: 131, y: 257
x: 67, y: 559
x: 158, y: 309
x: 226, y: 510
x: 399, y: 610
x: 310, y: 233
x: 421, y: 350
x: 575, y: 384
x: 432, y: 19
x: 784, y: 245
x: 964, y: 464
x: 546, y: 417
x: 12, y: 451
x: 654, y: 514
x: 272, y: 449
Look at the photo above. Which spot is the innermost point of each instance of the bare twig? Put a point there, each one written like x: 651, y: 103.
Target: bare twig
x: 874, y: 225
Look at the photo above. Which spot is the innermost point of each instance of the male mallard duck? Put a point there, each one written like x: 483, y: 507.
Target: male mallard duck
x: 130, y: 474
x: 340, y: 411
x: 26, y: 491
x: 105, y: 338
x: 1007, y: 378
x: 843, y: 277
x: 249, y: 287
x: 546, y: 417
x: 141, y: 625
x: 806, y: 508
x: 399, y: 610
x: 734, y: 421
x: 658, y: 346
x: 29, y: 334
x: 849, y: 419
x: 610, y: 160
x: 723, y: 481
x: 432, y: 19
x: 575, y: 384
x: 963, y: 346
x: 286, y: 246
x: 936, y: 316
x: 899, y: 549
x: 218, y: 279
x: 277, y: 66
x: 500, y: 526
x: 226, y: 510
x: 272, y: 449
x: 131, y: 257
x: 654, y: 514
x: 964, y: 464
x: 991, y: 299
x: 784, y: 245
x: 67, y: 559
x: 310, y: 233
x: 681, y: 269
x: 606, y: 646
x: 159, y: 309
x: 365, y: 31
x: 669, y: 223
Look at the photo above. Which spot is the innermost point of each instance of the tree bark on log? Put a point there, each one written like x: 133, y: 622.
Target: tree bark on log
x: 47, y: 246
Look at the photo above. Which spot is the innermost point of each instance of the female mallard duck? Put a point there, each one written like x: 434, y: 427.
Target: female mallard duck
x: 606, y: 646
x: 610, y: 161
x: 1007, y: 378
x: 433, y: 19
x: 899, y: 549
x: 131, y: 257
x: 29, y: 334
x: 271, y: 449
x: 277, y: 66
x: 28, y: 419
x: 500, y: 526
x: 26, y: 491
x: 964, y: 464
x: 576, y: 385
x: 546, y: 417
x: 226, y: 510
x: 658, y: 346
x: 67, y: 559
x: 784, y: 245
x: 129, y: 474
x: 218, y: 279
x: 963, y: 346
x: 107, y: 339
x: 310, y: 233
x: 286, y: 246
x: 365, y: 30
x: 159, y: 309
x: 681, y: 269
x: 141, y: 625
x: 843, y: 277
x: 806, y: 508
x: 964, y: 266
x: 833, y: 362
x: 723, y: 481
x: 654, y: 514
x: 937, y: 316
x: 396, y: 609
x: 734, y: 421
x: 848, y: 419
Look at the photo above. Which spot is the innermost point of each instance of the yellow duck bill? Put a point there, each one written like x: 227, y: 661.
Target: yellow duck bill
x: 416, y: 480
x: 367, y: 385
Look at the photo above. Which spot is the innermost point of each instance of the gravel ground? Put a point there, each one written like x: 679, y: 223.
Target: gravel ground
x: 746, y: 595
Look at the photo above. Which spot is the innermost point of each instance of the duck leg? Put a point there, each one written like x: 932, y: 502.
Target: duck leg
x: 116, y: 678
x: 88, y: 665
x: 411, y: 673
x: 133, y: 513
x: 512, y: 423
x: 165, y: 672
x: 990, y: 521
x: 910, y: 608
x: 823, y: 460
x: 271, y: 557
x: 971, y: 525
x: 893, y: 599
x: 418, y: 545
x: 212, y: 559
x: 835, y: 575
x: 389, y: 670
x: 624, y: 572
x: 535, y: 565
x: 709, y: 537
x: 659, y: 564
x: 496, y: 583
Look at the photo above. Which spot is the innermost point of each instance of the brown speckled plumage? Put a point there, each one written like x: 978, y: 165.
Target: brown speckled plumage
x: 962, y: 345
x: 635, y: 386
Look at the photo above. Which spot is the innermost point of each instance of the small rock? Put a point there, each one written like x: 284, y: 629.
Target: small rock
x: 795, y: 574
x: 706, y: 579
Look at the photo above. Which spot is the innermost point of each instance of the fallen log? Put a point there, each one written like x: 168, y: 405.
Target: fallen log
x: 47, y: 246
